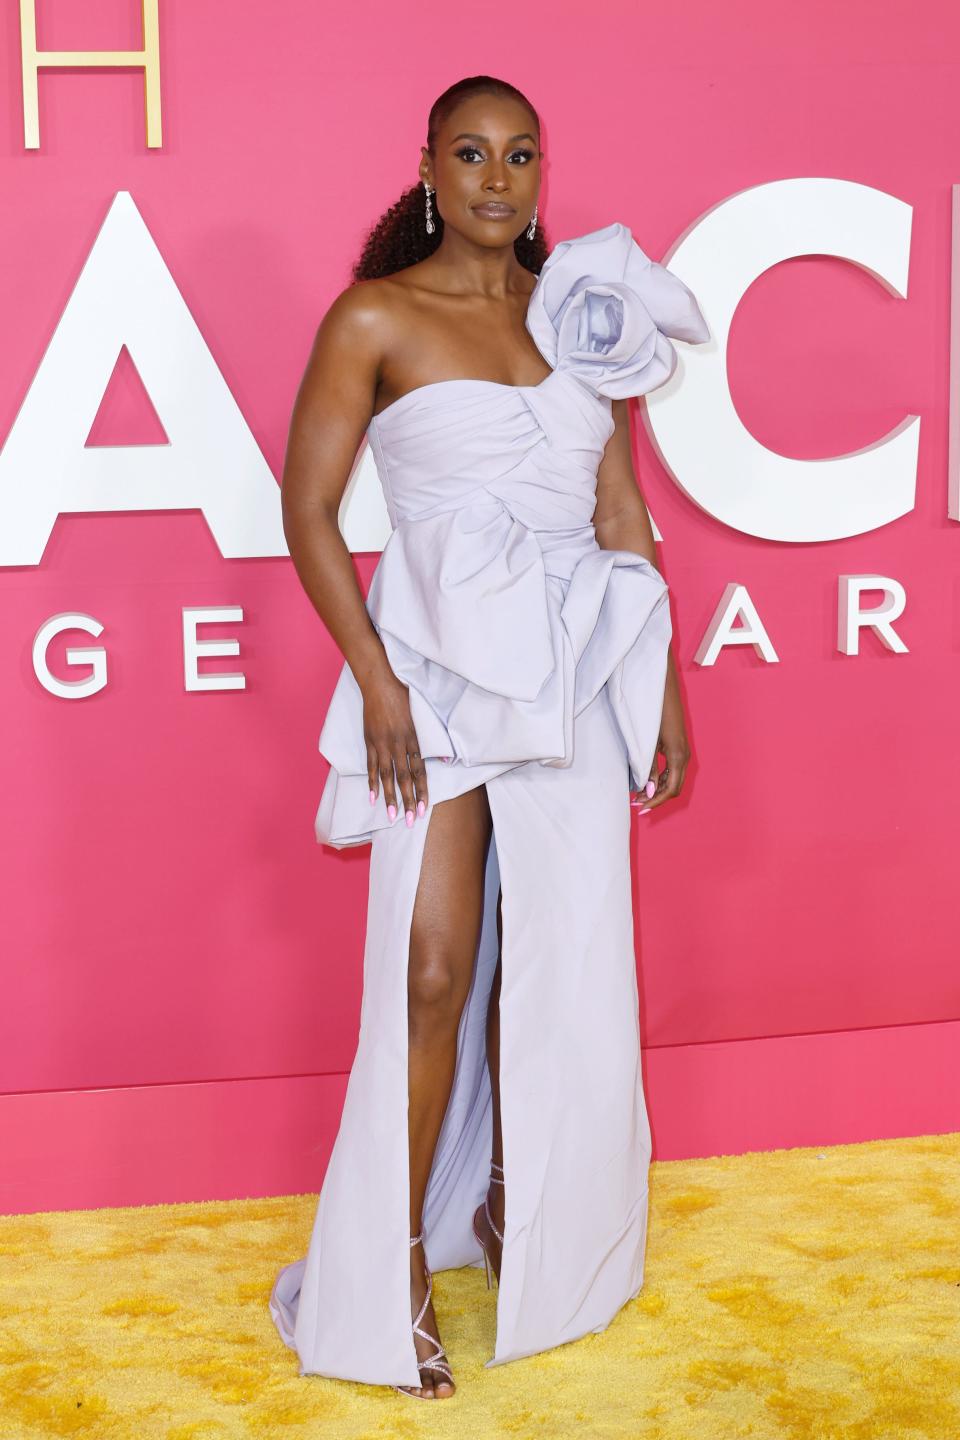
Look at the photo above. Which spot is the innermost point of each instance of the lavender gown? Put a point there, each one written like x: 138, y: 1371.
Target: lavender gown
x: 537, y: 661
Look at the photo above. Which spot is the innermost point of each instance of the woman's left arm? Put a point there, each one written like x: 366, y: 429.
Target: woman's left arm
x: 621, y: 522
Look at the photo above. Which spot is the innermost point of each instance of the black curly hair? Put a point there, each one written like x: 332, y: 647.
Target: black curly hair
x: 399, y: 238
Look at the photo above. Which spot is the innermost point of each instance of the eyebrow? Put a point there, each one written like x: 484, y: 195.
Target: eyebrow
x: 467, y: 135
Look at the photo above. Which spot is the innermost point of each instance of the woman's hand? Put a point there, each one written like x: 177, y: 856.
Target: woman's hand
x: 672, y: 744
x: 392, y: 747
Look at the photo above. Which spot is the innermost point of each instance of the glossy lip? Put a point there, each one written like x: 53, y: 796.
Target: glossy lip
x: 494, y: 210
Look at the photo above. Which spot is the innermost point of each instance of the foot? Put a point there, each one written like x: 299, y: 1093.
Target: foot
x: 437, y: 1385
x: 496, y: 1200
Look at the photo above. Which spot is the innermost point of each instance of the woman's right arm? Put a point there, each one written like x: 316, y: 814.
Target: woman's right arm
x: 330, y: 415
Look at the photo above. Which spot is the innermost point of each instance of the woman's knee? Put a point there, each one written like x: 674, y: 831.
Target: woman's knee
x: 436, y: 989
x: 447, y: 913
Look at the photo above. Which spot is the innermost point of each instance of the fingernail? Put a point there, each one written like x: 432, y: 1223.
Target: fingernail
x: 392, y: 812
x: 409, y: 815
x: 651, y: 789
x: 373, y: 797
x: 420, y: 807
x: 644, y: 811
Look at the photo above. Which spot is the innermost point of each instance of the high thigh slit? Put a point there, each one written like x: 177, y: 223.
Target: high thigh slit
x: 536, y: 661
x: 569, y: 1042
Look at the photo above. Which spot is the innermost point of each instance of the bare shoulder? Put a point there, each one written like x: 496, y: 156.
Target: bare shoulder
x: 354, y: 315
x: 347, y: 343
x: 363, y: 322
x: 367, y: 306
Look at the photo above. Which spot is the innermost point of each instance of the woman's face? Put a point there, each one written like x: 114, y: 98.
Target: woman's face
x: 486, y: 170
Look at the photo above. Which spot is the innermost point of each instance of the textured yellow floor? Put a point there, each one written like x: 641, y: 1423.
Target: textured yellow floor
x: 806, y: 1294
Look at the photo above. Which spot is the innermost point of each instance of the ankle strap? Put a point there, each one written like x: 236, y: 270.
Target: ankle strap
x: 496, y: 1178
x: 415, y: 1238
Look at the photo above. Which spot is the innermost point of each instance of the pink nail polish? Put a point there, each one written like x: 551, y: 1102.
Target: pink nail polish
x: 651, y: 789
x: 373, y: 797
x: 420, y: 807
x: 392, y: 812
x: 409, y: 818
x: 644, y: 811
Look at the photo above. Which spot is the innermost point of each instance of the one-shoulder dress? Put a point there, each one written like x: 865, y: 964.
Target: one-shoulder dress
x: 536, y: 664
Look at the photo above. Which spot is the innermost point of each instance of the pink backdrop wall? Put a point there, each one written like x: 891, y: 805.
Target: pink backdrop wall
x: 181, y: 963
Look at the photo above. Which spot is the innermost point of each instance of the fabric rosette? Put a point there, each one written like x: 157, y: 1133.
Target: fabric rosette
x: 607, y: 313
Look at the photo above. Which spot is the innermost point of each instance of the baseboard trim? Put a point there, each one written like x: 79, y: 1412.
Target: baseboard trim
x: 234, y: 1139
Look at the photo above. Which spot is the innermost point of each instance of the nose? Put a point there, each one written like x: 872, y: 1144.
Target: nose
x: 497, y: 180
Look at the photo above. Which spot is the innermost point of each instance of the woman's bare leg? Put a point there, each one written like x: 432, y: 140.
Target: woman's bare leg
x: 444, y: 934
x: 496, y: 1194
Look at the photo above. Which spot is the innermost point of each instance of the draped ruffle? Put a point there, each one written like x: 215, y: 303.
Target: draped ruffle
x: 504, y: 629
x: 478, y: 703
x: 605, y: 312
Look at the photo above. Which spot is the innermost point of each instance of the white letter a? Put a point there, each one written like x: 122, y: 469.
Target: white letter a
x: 126, y: 296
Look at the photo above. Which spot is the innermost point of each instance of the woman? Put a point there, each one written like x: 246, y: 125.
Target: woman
x: 506, y: 683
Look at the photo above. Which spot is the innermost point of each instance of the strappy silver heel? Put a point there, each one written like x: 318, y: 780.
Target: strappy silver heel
x: 435, y: 1361
x: 494, y: 1180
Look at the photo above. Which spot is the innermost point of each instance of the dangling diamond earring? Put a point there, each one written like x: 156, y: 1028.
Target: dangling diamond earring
x: 532, y: 227
x: 430, y: 225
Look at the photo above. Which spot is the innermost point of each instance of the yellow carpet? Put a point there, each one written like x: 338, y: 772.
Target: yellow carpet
x: 810, y: 1294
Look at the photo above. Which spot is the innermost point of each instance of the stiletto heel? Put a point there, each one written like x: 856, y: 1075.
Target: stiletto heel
x: 435, y: 1361
x: 494, y: 1180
